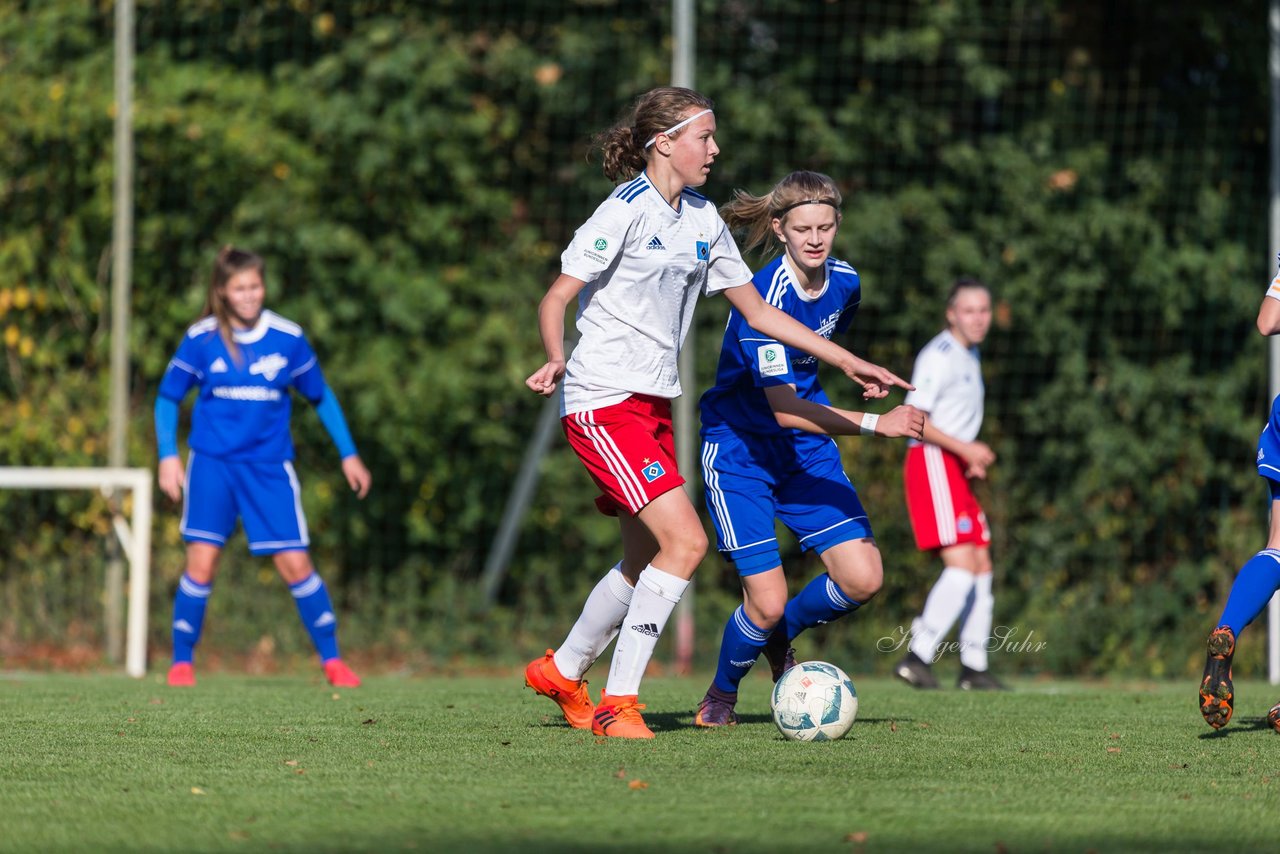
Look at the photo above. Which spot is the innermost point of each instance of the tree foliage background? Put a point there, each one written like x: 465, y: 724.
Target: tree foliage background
x: 412, y: 171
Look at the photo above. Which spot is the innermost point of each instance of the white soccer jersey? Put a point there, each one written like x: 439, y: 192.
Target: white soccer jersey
x: 645, y: 265
x: 948, y: 381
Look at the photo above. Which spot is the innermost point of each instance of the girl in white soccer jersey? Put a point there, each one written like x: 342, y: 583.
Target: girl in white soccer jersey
x: 945, y: 515
x: 1259, y: 578
x: 244, y: 359
x: 767, y: 451
x: 637, y: 267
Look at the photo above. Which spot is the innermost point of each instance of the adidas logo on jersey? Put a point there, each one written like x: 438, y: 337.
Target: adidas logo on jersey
x: 650, y: 629
x: 655, y: 243
x: 218, y: 366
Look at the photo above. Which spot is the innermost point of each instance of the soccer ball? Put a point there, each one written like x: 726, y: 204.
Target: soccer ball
x: 814, y: 701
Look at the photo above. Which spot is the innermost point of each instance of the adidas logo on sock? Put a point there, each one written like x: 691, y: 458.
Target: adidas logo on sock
x: 650, y: 629
x: 184, y: 626
x: 325, y: 619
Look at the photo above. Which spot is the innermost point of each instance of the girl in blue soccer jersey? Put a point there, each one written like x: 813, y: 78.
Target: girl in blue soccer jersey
x: 1259, y: 579
x: 767, y: 451
x: 244, y: 360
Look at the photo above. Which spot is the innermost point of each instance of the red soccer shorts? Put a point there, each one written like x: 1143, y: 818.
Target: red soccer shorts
x: 629, y: 449
x: 943, y: 509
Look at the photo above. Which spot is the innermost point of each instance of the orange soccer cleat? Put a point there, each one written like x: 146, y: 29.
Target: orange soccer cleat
x: 571, y: 696
x: 182, y: 675
x: 619, y: 717
x: 339, y: 675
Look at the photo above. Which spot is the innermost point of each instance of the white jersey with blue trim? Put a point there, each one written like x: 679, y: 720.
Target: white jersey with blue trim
x: 243, y: 408
x: 645, y: 264
x: 948, y: 386
x: 751, y: 361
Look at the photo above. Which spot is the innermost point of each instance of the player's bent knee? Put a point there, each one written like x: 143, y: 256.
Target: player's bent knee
x: 692, y: 546
x: 769, y: 616
x: 861, y: 583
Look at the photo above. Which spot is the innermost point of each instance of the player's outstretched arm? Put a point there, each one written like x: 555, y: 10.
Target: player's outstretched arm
x: 901, y: 422
x: 761, y: 316
x: 795, y: 412
x: 551, y: 327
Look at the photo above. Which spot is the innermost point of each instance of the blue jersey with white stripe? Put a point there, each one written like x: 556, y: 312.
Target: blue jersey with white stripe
x: 751, y: 361
x: 243, y: 408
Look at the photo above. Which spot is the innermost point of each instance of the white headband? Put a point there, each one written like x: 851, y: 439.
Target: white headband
x: 675, y: 127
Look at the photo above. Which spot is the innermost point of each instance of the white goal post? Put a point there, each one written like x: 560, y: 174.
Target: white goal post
x: 135, y: 536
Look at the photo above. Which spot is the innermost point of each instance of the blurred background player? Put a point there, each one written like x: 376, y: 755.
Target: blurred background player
x: 244, y: 359
x: 1259, y: 578
x: 945, y: 515
x: 767, y: 450
x: 637, y: 267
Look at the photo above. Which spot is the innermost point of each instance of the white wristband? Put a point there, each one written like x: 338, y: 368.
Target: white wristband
x: 868, y: 425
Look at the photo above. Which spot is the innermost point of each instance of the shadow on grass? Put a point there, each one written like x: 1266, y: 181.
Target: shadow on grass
x: 1253, y: 726
x: 661, y: 722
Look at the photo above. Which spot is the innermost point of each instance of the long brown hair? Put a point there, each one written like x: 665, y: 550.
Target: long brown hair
x: 649, y: 115
x: 228, y: 263
x: 755, y: 214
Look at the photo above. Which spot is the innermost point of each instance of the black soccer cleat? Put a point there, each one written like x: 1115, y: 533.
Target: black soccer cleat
x: 716, y: 708
x: 978, y: 680
x: 1217, y: 695
x: 916, y: 672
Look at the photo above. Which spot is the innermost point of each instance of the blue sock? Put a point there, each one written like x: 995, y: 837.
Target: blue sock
x: 1257, y: 581
x: 821, y: 601
x: 739, y: 649
x: 188, y: 618
x: 316, y: 611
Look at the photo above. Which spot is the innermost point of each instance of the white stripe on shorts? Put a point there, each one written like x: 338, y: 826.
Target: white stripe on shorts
x: 715, y: 495
x: 632, y: 488
x: 303, y: 536
x: 944, y: 512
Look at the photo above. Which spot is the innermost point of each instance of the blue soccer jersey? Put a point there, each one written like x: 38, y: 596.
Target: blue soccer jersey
x: 242, y: 412
x: 750, y: 361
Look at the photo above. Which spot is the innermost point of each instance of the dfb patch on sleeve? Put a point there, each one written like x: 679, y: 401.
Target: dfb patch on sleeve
x: 773, y: 360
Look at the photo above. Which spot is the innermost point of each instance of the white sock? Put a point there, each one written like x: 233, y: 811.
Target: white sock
x: 975, y: 633
x: 656, y: 595
x: 596, y: 626
x: 946, y: 600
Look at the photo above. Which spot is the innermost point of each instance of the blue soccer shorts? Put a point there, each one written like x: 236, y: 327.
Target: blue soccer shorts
x: 266, y: 497
x: 799, y: 480
x: 1268, y: 460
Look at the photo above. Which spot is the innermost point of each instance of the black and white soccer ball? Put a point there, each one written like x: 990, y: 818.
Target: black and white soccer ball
x: 814, y: 701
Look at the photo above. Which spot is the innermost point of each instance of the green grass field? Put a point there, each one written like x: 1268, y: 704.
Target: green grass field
x: 104, y: 762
